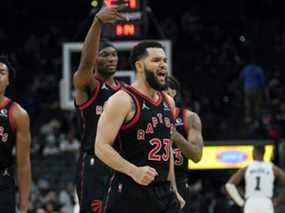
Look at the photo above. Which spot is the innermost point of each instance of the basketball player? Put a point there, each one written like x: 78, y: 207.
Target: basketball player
x: 94, y: 83
x: 141, y: 115
x: 259, y: 182
x: 14, y: 130
x: 188, y: 141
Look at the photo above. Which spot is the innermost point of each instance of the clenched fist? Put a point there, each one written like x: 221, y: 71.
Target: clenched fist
x: 144, y: 175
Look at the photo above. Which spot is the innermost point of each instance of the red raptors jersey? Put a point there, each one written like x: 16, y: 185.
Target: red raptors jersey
x: 7, y: 134
x: 90, y: 111
x: 180, y: 161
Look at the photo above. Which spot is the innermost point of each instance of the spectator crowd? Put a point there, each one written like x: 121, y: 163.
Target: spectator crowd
x: 226, y: 78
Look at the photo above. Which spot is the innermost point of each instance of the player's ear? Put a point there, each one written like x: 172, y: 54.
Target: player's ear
x: 139, y: 66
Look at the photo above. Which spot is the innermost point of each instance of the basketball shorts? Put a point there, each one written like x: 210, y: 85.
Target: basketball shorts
x: 7, y: 194
x: 184, y: 190
x: 92, y: 180
x: 126, y: 196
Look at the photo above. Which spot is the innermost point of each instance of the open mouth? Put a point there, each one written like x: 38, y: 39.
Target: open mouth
x: 161, y: 76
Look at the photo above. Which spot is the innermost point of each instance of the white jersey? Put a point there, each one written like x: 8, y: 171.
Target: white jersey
x: 258, y: 205
x: 259, y: 180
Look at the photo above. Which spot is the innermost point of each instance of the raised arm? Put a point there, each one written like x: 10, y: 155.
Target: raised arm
x: 231, y: 187
x: 23, y: 142
x: 279, y: 174
x: 116, y: 111
x: 192, y: 147
x: 84, y: 75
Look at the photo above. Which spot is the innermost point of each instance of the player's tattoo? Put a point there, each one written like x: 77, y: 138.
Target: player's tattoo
x: 195, y: 121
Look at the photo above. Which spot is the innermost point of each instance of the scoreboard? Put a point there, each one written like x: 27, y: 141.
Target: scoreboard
x: 131, y: 5
x: 134, y: 27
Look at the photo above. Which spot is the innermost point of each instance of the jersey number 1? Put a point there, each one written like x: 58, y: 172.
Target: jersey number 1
x: 257, y: 187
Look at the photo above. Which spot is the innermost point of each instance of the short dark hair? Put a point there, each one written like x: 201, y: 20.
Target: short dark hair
x: 259, y: 149
x: 140, y: 50
x: 173, y: 83
x: 12, y: 72
x: 104, y: 43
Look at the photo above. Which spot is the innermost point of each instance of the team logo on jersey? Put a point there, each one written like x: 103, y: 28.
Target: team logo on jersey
x: 144, y: 106
x: 104, y: 86
x: 165, y: 107
x: 3, y: 135
x: 178, y: 122
x: 99, y: 110
x: 4, y: 113
x: 232, y: 156
x: 97, y: 205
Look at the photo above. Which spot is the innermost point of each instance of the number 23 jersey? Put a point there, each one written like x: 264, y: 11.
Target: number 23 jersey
x: 145, y: 139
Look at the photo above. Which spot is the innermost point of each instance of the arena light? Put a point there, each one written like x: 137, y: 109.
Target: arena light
x: 94, y: 3
x: 228, y: 157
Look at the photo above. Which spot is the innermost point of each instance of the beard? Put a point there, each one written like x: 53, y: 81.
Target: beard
x: 153, y: 81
